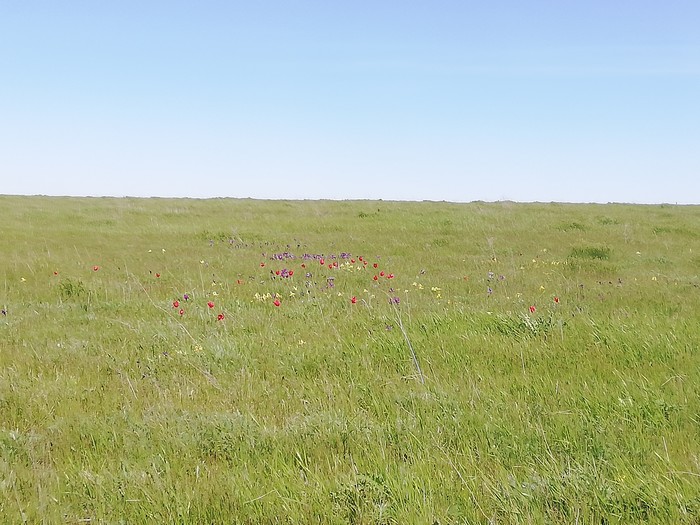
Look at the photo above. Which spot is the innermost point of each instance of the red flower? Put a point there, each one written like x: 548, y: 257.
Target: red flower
x: 239, y: 281
x: 381, y: 274
x: 182, y: 312
x: 375, y: 265
x: 390, y: 276
x: 532, y: 309
x: 277, y: 272
x: 303, y: 265
x: 556, y: 300
x: 353, y: 300
x: 360, y: 258
x: 220, y: 317
x: 375, y: 278
x: 55, y: 273
x: 157, y: 275
x: 262, y: 265
x: 95, y: 268
x: 352, y: 261
x: 322, y: 261
x: 330, y: 266
x: 210, y: 304
x: 291, y: 272
x: 176, y: 304
x: 276, y: 302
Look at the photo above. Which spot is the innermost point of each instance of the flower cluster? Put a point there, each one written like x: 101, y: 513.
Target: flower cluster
x: 179, y: 307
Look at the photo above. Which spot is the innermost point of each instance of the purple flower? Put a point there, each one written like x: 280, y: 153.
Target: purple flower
x: 186, y: 297
x: 394, y: 300
x: 489, y: 290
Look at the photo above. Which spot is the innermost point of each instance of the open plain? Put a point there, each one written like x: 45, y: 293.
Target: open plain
x: 242, y: 361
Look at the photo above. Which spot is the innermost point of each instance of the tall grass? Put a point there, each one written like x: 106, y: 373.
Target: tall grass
x: 525, y: 363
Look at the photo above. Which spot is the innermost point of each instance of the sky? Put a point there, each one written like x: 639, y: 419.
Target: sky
x: 541, y: 100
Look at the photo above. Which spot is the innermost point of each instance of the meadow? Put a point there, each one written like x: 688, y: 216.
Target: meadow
x: 240, y: 361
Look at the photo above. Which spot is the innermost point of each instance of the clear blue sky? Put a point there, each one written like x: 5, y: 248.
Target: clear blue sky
x: 579, y: 101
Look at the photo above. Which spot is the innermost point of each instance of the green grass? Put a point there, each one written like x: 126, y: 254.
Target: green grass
x: 114, y: 408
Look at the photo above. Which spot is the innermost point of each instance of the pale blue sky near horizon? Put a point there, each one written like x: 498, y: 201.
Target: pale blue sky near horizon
x: 569, y: 101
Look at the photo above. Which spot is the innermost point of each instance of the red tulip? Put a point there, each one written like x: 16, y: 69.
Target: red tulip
x: 176, y: 304
x: 220, y: 317
x: 276, y: 302
x: 532, y: 309
x: 210, y: 304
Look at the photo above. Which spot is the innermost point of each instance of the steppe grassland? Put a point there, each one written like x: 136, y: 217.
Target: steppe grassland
x: 555, y: 381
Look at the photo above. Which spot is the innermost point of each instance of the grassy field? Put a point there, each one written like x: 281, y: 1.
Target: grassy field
x: 239, y: 361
